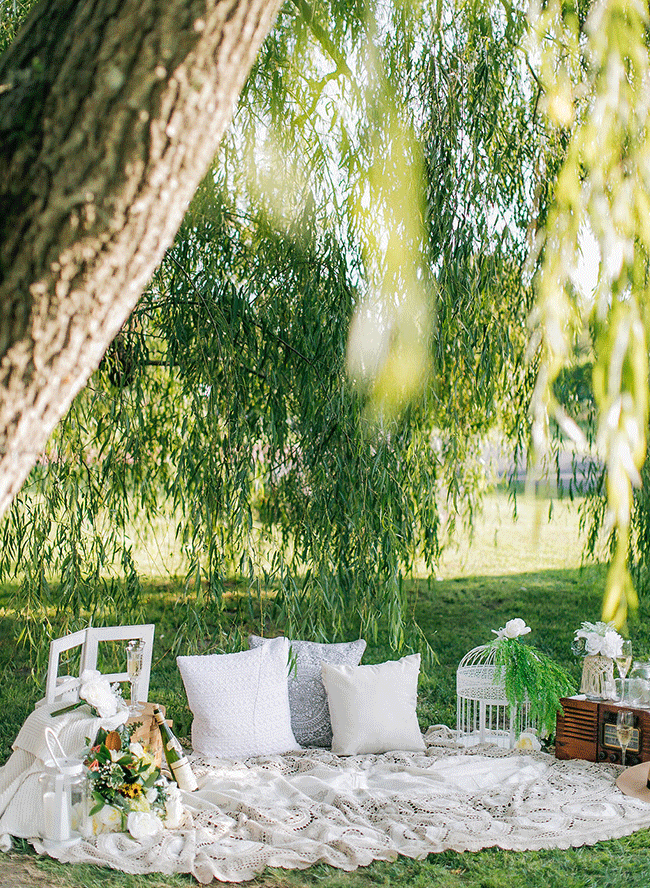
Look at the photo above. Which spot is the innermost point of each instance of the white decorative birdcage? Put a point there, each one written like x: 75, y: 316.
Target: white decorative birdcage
x: 483, y: 713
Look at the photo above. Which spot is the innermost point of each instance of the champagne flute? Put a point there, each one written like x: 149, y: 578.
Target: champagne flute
x: 623, y: 663
x: 134, y: 662
x: 624, y: 730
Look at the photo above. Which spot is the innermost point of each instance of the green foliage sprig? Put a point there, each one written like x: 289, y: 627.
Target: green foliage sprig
x: 527, y: 672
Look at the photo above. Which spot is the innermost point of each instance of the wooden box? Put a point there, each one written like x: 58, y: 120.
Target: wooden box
x: 148, y: 733
x: 587, y: 730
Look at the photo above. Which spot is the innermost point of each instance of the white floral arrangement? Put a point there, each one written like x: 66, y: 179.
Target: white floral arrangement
x: 597, y: 639
x: 104, y: 699
x: 128, y: 792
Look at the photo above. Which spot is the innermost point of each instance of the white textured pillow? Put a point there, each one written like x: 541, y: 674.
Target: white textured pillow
x: 373, y: 707
x: 310, y: 717
x: 240, y: 701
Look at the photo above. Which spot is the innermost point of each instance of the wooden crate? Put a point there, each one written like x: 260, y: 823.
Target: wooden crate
x: 587, y: 730
x: 148, y: 733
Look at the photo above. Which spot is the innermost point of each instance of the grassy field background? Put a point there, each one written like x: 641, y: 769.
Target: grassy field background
x: 530, y: 568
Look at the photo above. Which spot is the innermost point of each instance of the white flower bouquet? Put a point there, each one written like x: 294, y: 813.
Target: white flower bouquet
x: 597, y: 639
x: 104, y: 699
x: 128, y: 791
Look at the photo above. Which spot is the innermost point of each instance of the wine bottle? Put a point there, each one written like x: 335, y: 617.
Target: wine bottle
x: 180, y: 768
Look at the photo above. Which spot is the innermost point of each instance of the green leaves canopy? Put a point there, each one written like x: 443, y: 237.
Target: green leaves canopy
x: 388, y: 166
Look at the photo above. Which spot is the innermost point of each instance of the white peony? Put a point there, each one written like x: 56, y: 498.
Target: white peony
x: 108, y: 819
x: 142, y: 824
x: 593, y: 644
x: 512, y: 629
x: 136, y: 749
x: 527, y: 740
x: 96, y: 690
x: 612, y: 644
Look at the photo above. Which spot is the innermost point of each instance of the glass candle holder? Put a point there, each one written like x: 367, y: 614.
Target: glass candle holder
x: 64, y: 789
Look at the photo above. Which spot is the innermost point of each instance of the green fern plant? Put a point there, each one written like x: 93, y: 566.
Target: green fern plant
x: 526, y: 671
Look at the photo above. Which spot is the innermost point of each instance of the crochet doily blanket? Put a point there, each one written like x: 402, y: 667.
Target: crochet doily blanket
x: 309, y: 807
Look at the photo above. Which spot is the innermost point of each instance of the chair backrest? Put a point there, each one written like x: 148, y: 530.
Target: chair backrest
x: 88, y: 640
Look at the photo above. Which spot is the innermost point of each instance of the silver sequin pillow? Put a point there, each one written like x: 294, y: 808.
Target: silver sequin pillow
x: 310, y: 715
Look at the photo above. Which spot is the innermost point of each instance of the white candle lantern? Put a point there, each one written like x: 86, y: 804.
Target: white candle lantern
x: 65, y: 797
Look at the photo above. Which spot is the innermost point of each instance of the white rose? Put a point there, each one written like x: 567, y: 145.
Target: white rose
x: 593, y: 644
x: 528, y: 740
x: 110, y: 819
x: 512, y: 629
x: 96, y: 690
x: 612, y: 644
x: 141, y: 824
x: 137, y: 749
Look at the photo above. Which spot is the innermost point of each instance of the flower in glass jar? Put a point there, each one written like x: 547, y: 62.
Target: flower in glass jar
x: 512, y: 629
x: 597, y: 639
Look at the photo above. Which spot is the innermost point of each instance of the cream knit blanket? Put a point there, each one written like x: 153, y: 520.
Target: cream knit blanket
x: 309, y: 807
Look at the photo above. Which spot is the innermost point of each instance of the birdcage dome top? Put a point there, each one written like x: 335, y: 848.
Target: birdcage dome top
x: 483, y: 711
x: 475, y: 676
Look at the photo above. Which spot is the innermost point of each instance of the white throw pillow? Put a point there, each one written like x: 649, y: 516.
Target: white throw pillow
x: 240, y: 702
x: 373, y: 707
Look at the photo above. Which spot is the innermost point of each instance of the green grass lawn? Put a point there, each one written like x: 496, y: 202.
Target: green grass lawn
x: 529, y: 569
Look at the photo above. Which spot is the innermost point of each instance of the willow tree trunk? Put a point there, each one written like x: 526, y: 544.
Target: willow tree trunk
x: 110, y: 114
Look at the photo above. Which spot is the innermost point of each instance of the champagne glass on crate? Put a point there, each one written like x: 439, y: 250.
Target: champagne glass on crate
x: 624, y: 730
x: 623, y: 663
x: 134, y: 662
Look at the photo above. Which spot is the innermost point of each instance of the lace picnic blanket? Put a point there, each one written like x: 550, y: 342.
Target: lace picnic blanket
x: 309, y: 807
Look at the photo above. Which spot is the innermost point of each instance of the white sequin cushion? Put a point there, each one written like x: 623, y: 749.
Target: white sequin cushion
x: 310, y: 715
x: 240, y: 701
x: 373, y: 707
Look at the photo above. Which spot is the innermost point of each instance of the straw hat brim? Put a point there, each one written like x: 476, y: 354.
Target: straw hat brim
x: 634, y: 782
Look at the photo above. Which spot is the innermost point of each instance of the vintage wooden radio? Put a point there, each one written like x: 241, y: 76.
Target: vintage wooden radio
x: 587, y: 730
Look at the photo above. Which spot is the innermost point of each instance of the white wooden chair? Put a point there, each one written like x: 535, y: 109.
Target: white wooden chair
x: 66, y: 687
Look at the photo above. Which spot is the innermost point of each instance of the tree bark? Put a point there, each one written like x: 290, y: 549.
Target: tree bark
x: 111, y: 112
